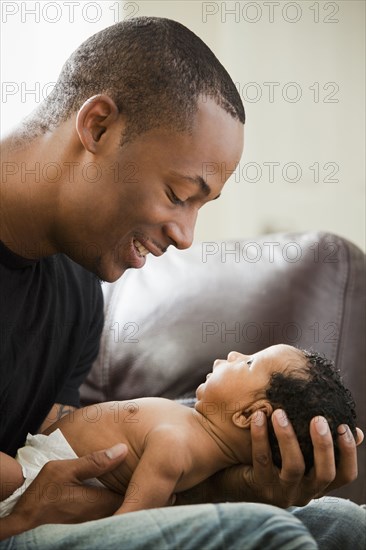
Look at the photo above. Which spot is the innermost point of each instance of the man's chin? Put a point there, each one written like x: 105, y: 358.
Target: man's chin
x: 106, y: 270
x: 109, y: 274
x: 111, y: 267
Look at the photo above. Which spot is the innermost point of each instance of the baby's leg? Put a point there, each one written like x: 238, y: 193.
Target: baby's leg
x: 11, y: 475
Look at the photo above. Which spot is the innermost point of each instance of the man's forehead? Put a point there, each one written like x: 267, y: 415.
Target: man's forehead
x: 220, y: 139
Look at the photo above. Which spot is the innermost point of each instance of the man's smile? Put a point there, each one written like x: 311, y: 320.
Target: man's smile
x: 141, y: 250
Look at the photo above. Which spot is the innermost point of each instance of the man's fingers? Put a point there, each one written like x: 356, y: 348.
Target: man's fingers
x: 347, y: 466
x: 324, y: 461
x: 293, y: 465
x: 86, y: 467
x: 99, y: 462
x: 360, y: 436
x: 347, y: 463
x: 57, y: 495
x: 261, y: 451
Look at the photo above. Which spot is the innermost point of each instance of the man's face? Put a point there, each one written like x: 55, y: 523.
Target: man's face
x: 241, y: 380
x: 152, y: 190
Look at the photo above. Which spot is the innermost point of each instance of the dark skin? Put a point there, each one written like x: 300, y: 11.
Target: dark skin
x: 88, y: 503
x: 264, y: 482
x: 147, y: 190
x: 108, y: 215
x: 76, y: 502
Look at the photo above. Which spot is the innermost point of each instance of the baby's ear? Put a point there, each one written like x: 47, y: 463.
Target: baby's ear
x: 242, y: 418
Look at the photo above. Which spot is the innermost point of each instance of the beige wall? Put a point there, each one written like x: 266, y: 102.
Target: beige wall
x: 36, y: 39
x: 278, y: 47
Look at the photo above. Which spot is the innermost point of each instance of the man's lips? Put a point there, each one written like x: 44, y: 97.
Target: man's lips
x: 145, y: 246
x: 141, y: 250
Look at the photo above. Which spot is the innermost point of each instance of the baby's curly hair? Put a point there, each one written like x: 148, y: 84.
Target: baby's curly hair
x: 319, y: 392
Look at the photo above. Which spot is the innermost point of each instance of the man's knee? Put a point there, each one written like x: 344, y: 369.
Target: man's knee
x: 334, y: 523
x: 257, y: 526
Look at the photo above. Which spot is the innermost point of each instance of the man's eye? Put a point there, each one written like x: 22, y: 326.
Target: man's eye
x: 174, y: 199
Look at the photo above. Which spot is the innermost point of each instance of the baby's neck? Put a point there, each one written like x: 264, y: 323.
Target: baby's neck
x: 233, y: 444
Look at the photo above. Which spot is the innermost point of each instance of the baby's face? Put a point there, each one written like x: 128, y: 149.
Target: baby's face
x: 242, y: 379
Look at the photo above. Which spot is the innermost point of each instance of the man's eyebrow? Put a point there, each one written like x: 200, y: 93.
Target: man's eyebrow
x: 198, y: 180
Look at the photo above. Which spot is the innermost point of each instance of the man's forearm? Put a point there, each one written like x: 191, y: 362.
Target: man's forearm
x: 55, y: 414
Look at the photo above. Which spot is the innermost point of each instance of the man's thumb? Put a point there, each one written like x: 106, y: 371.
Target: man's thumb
x: 100, y: 462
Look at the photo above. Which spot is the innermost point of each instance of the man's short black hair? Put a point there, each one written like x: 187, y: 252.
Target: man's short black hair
x: 155, y: 70
x: 319, y: 392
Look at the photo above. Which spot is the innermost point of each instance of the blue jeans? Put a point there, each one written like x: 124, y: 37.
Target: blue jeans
x: 327, y: 524
x: 335, y: 523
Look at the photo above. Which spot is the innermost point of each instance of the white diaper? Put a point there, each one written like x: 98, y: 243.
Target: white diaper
x: 38, y: 450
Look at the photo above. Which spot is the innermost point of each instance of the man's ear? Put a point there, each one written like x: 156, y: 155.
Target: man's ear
x: 94, y: 118
x: 242, y: 418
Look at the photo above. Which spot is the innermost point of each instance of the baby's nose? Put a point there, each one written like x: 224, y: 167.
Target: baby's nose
x: 233, y: 355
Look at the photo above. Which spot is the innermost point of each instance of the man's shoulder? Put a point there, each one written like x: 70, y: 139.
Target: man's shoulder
x: 71, y: 276
x: 71, y: 268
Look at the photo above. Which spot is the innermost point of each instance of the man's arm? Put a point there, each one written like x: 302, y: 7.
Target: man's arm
x: 57, y: 411
x: 264, y: 482
x: 75, y: 502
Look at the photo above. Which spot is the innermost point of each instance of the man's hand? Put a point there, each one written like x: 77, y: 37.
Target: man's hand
x: 264, y: 482
x: 289, y: 486
x: 57, y: 494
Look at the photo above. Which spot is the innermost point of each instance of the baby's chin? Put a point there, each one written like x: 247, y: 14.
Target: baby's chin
x: 199, y: 390
x: 197, y: 404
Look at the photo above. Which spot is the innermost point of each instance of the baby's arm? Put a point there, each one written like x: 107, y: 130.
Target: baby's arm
x: 154, y: 480
x: 11, y: 475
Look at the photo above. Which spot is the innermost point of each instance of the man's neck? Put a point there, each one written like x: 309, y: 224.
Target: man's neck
x: 32, y: 177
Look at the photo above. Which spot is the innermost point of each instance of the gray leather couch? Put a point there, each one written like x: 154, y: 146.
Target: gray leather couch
x: 165, y: 324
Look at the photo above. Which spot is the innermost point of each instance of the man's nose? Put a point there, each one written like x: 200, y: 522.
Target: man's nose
x: 181, y: 232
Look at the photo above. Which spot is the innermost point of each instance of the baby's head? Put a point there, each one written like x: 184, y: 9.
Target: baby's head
x: 319, y: 391
x: 304, y: 384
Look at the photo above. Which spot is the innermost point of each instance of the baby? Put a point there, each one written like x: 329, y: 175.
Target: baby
x: 173, y: 447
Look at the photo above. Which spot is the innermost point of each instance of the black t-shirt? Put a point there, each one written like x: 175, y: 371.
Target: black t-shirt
x: 51, y: 318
